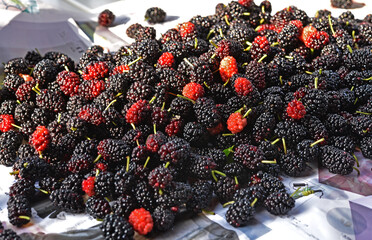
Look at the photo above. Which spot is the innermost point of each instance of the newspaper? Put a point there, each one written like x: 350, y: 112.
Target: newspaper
x: 46, y: 31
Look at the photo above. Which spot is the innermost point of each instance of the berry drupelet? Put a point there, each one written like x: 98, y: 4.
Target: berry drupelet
x: 115, y: 227
x: 337, y: 161
x: 106, y: 18
x: 97, y: 207
x: 239, y: 213
x: 141, y: 220
x: 67, y: 200
x: 279, y: 203
x: 155, y: 15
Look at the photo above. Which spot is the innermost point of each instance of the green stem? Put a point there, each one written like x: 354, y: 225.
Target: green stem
x: 166, y: 165
x: 127, y: 167
x: 59, y: 118
x: 284, y: 145
x: 349, y: 48
x: 236, y: 180
x: 133, y: 62
x: 356, y: 159
x: 133, y: 126
x: 275, y: 141
x: 316, y: 82
x: 112, y: 102
x: 219, y: 173
x: 24, y: 217
x: 147, y: 161
x: 330, y: 24
x: 221, y: 34
x: 317, y: 141
x: 262, y: 58
x: 254, y: 202
x: 227, y: 20
x: 214, y: 176
x: 227, y: 134
x: 196, y: 43
x: 210, y: 33
x: 181, y: 96
x: 298, y: 189
x: 154, y: 128
x: 228, y: 203
x: 214, y: 45
x: 16, y: 126
x: 188, y: 62
x: 356, y: 169
x: 247, y: 113
x: 152, y: 99
x: 97, y: 158
x: 274, y: 44
x: 43, y: 191
x: 365, y: 113
x: 227, y: 82
x: 269, y: 161
x: 205, y: 84
x: 208, y: 212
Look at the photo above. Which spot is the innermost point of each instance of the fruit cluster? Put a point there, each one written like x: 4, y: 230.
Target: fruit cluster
x: 222, y: 104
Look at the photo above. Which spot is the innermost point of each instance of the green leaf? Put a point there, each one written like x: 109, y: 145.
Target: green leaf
x: 229, y: 150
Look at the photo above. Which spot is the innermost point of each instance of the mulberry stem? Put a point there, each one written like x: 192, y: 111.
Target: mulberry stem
x: 247, y: 113
x: 97, y: 158
x: 167, y: 164
x: 16, y: 126
x: 228, y: 203
x: 275, y: 141
x: 219, y: 173
x: 294, y: 193
x: 284, y: 145
x: 349, y: 48
x: 127, y: 167
x: 269, y: 161
x: 330, y: 24
x: 254, y: 202
x: 262, y: 58
x: 210, y: 33
x: 356, y: 159
x: 365, y: 113
x: 236, y: 180
x: 208, y: 212
x: 147, y: 161
x: 213, y: 43
x: 112, y: 102
x: 316, y: 142
x: 227, y: 20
